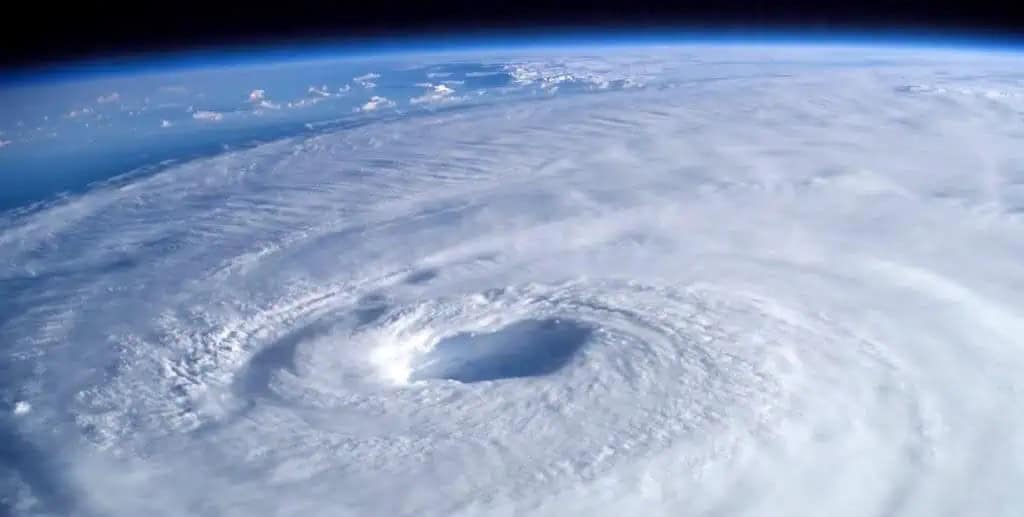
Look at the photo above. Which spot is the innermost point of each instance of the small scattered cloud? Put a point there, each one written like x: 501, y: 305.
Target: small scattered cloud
x: 436, y: 93
x: 209, y: 116
x: 366, y: 80
x: 376, y: 102
x: 80, y: 112
x: 436, y: 75
x: 319, y: 90
x: 166, y: 123
x: 21, y: 407
x: 107, y: 99
x: 305, y: 103
x: 174, y: 89
x: 4, y: 143
x: 316, y: 95
x: 259, y: 98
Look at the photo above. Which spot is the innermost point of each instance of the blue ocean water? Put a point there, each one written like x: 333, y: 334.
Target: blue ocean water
x: 62, y: 136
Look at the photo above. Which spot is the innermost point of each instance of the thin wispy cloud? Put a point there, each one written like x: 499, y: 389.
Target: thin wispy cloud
x: 208, y: 116
x: 366, y: 80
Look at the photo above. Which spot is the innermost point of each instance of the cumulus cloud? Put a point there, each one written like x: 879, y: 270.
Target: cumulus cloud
x: 376, y: 102
x: 166, y: 123
x: 4, y: 143
x: 437, y: 93
x: 259, y: 99
x: 22, y: 408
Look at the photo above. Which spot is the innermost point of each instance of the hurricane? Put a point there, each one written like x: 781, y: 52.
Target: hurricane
x: 656, y: 280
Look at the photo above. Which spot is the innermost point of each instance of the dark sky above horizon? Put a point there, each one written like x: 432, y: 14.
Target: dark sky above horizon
x: 47, y: 32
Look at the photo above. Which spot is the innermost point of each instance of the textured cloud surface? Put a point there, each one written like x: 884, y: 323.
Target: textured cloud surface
x: 748, y: 282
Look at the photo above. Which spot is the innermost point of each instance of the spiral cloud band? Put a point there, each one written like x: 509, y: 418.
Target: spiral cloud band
x: 733, y: 281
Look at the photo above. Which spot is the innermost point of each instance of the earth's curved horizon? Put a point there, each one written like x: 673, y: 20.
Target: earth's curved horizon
x: 697, y: 278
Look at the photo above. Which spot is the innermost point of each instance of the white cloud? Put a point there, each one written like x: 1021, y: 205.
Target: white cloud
x: 376, y: 102
x: 306, y: 102
x: 317, y: 94
x: 4, y: 143
x: 80, y: 112
x: 321, y: 91
x: 22, y: 408
x: 791, y: 271
x: 166, y: 123
x: 259, y: 98
x: 549, y: 75
x: 106, y: 99
x: 366, y: 80
x: 210, y: 116
x: 437, y: 93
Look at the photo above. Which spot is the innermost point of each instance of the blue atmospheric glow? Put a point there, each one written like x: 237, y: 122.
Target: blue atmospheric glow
x: 494, y: 41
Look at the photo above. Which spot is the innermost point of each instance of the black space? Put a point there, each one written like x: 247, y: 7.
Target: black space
x: 40, y: 33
